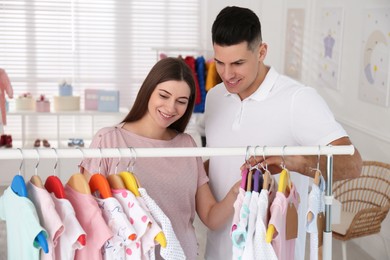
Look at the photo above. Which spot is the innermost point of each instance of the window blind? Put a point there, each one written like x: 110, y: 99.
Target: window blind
x: 109, y: 44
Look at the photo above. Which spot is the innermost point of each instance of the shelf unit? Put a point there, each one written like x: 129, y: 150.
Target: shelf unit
x: 57, y: 127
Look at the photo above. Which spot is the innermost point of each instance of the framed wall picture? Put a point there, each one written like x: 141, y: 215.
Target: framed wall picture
x: 375, y: 54
x: 329, y: 44
x: 295, y: 25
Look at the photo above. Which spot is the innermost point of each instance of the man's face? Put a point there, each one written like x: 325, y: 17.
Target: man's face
x: 238, y: 67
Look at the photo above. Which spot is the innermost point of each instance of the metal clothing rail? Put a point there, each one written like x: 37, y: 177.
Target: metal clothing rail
x: 173, y: 152
x: 329, y: 151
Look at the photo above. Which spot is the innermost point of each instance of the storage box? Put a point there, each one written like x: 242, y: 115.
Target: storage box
x: 42, y: 106
x: 91, y: 99
x: 68, y: 103
x: 108, y: 101
x: 25, y: 102
x: 65, y: 90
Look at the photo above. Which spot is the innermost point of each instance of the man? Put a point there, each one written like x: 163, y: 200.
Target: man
x: 255, y: 105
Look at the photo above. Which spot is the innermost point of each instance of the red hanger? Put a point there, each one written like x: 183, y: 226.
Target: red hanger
x: 54, y: 185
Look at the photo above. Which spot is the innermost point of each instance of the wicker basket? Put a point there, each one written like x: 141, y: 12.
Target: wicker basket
x: 365, y: 201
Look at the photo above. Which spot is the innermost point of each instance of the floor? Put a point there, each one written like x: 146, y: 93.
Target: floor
x: 353, y: 251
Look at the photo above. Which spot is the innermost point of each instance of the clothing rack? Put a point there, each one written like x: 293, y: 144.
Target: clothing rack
x: 329, y: 151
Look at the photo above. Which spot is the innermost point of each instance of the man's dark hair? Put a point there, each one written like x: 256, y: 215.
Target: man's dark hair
x: 235, y: 25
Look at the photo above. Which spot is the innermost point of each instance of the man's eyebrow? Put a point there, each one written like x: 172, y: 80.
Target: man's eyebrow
x: 237, y: 61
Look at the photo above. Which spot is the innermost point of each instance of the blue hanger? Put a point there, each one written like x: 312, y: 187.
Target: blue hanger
x: 18, y: 186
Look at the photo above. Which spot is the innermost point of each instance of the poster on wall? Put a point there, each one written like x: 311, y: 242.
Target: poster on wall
x: 375, y: 55
x: 330, y: 42
x: 294, y: 43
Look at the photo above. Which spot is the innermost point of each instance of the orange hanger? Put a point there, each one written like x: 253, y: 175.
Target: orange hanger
x: 100, y: 186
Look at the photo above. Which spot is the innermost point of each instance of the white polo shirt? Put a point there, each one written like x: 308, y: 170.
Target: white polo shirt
x: 281, y: 112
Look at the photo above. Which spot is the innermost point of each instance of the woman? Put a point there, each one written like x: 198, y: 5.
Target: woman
x: 158, y: 118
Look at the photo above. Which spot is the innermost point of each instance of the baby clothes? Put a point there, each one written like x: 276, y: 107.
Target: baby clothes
x: 68, y: 241
x: 239, y: 235
x: 249, y: 244
x: 173, y: 250
x: 284, y: 248
x: 262, y: 249
x: 21, y: 217
x: 48, y: 217
x: 91, y: 219
x: 237, y: 207
x: 316, y: 205
x: 140, y: 220
x: 124, y: 233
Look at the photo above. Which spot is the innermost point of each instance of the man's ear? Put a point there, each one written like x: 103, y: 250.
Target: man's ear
x: 263, y: 51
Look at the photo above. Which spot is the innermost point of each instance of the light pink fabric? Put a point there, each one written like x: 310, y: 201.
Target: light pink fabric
x: 48, y: 217
x: 171, y: 181
x: 284, y: 249
x: 5, y: 87
x: 91, y: 219
x: 68, y: 241
x: 237, y: 206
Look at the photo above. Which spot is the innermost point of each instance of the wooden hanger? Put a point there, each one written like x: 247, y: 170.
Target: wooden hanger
x: 79, y: 183
x: 35, y: 179
x: 116, y: 181
x: 249, y: 181
x: 316, y: 181
x: 266, y: 180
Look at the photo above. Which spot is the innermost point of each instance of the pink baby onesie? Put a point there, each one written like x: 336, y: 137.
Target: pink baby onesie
x: 68, y: 241
x: 48, y: 217
x: 284, y: 248
x: 91, y: 219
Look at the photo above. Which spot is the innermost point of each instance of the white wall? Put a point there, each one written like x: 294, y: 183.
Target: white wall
x: 368, y: 125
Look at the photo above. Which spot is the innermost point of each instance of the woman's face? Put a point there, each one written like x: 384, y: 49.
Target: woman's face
x: 168, y: 102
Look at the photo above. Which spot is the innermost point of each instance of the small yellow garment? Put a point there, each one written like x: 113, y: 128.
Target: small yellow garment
x: 212, y: 78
